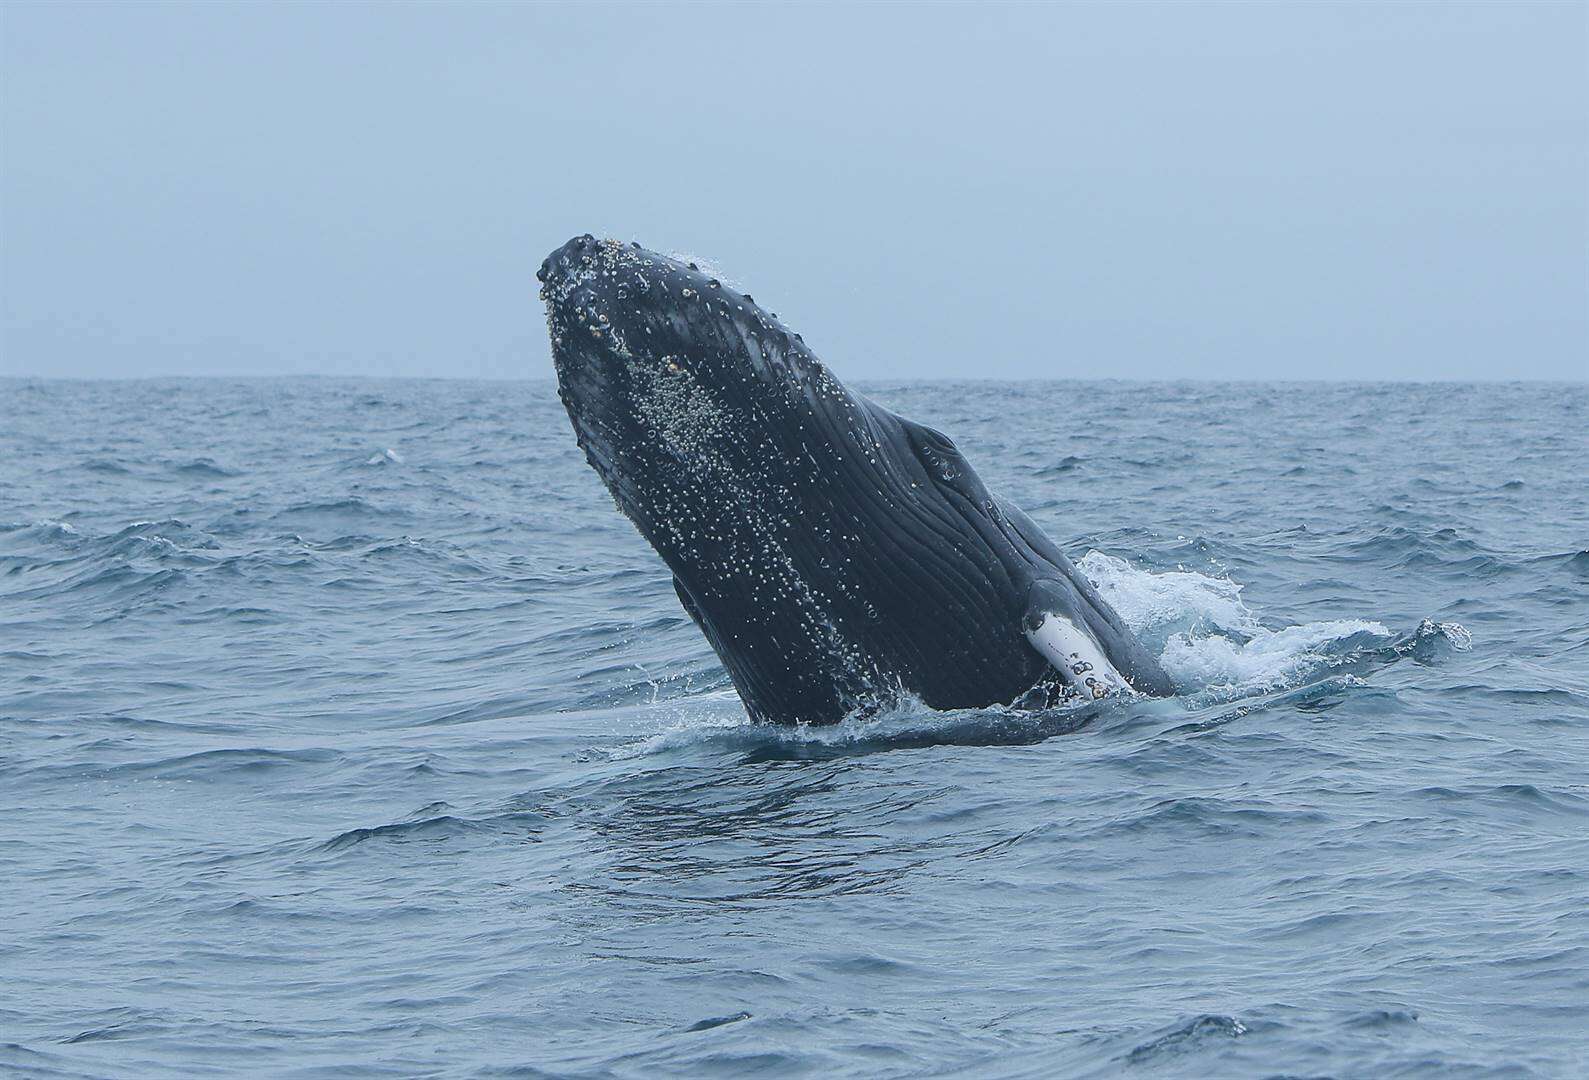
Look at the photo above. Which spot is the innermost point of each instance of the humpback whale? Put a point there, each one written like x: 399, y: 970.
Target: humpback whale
x: 837, y: 556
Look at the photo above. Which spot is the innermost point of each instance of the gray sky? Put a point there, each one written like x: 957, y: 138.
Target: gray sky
x: 1234, y: 190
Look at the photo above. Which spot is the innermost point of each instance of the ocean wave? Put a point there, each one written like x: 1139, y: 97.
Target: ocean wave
x: 110, y: 466
x: 1186, y: 1036
x: 385, y: 457
x: 227, y: 763
x: 437, y: 828
x: 38, y: 530
x: 346, y: 515
x: 204, y: 468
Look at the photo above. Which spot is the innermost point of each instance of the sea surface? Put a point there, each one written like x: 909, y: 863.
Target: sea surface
x: 346, y: 729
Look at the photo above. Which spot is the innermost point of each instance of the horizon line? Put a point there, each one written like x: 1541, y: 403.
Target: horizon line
x: 1314, y: 380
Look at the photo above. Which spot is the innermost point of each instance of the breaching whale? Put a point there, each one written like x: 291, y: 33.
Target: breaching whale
x: 836, y: 555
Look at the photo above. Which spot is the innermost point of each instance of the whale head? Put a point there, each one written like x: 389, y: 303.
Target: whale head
x: 678, y: 386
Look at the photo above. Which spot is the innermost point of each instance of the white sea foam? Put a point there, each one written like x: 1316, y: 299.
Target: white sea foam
x: 1459, y: 636
x: 1207, y: 636
x: 1269, y: 659
x: 1177, y: 600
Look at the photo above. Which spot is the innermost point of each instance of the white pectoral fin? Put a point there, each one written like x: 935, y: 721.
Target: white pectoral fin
x: 1076, y: 656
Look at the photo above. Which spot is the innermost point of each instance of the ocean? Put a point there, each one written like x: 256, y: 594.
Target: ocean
x: 347, y: 729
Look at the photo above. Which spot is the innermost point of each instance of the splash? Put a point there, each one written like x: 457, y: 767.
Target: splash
x: 707, y: 265
x: 1215, y: 648
x: 1154, y: 605
x: 716, y: 722
x: 1270, y: 659
x: 1212, y: 643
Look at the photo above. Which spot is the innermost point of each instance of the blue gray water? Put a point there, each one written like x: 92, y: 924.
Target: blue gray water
x: 347, y: 729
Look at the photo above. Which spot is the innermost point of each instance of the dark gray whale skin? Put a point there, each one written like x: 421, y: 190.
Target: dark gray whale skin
x: 836, y: 555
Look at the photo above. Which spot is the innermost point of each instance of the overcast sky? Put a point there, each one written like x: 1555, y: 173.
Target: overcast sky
x: 1394, y: 190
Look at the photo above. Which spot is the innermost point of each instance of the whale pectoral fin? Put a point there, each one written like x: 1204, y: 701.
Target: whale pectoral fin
x: 1056, y: 631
